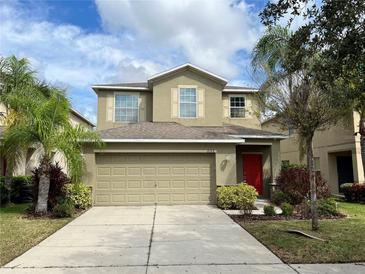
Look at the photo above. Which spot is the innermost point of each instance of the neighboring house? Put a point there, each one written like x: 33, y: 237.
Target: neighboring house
x: 30, y: 159
x: 176, y: 137
x: 337, y: 152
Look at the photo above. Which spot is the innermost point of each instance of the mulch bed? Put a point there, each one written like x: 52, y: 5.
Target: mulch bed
x: 29, y: 214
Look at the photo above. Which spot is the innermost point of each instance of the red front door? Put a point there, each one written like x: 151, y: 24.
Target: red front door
x: 252, y: 171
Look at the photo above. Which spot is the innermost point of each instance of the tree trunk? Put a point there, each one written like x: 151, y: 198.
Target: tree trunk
x: 313, y: 185
x: 43, y: 187
x: 8, y: 181
x: 362, y: 142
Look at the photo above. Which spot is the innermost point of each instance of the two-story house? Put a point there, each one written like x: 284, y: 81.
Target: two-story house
x: 176, y: 137
x: 30, y: 160
x: 337, y: 152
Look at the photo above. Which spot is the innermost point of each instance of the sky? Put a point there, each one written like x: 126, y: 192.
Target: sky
x: 75, y: 44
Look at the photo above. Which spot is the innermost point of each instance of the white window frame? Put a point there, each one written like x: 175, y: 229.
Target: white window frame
x: 136, y: 94
x: 196, y: 101
x: 244, y: 108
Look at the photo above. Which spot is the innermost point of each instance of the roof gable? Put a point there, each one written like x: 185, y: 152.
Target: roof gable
x: 189, y: 67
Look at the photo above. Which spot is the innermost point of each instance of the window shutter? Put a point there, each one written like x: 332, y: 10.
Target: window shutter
x: 174, y: 103
x: 142, y: 109
x: 201, y: 102
x: 248, y: 107
x: 225, y: 106
x: 109, y: 108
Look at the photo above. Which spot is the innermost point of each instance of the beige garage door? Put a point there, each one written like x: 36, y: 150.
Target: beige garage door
x: 141, y: 179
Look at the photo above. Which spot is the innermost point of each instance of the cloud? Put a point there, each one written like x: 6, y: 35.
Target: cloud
x: 207, y: 32
x: 68, y: 56
x: 139, y: 39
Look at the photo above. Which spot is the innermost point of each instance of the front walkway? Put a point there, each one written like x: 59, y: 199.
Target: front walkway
x: 162, y: 239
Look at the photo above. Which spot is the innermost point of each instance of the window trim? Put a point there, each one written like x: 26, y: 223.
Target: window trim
x: 136, y: 94
x: 179, y: 87
x: 229, y: 104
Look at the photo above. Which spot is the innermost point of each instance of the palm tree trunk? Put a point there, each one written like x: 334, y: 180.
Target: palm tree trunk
x: 313, y: 185
x: 43, y: 187
x: 8, y: 181
x: 362, y: 142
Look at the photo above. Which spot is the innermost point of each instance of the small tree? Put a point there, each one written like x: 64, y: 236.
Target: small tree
x: 39, y: 117
x: 336, y: 30
x: 294, y: 96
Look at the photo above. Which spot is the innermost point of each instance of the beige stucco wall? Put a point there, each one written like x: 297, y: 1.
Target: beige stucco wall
x: 251, y: 119
x: 105, y: 115
x: 274, y: 126
x: 212, y: 101
x: 225, y: 157
x: 327, y: 144
x: 77, y: 121
x: 2, y: 110
x: 228, y: 164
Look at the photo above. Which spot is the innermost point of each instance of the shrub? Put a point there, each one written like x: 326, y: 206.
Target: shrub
x: 287, y: 209
x: 240, y: 196
x: 4, y: 193
x: 287, y: 165
x: 269, y: 210
x: 279, y: 197
x: 21, y: 189
x: 353, y: 192
x: 65, y: 208
x: 327, y: 207
x: 345, y: 186
x: 304, y: 209
x: 226, y: 197
x: 18, y: 190
x: 294, y: 181
x: 58, y: 180
x: 80, y: 195
x: 246, y: 196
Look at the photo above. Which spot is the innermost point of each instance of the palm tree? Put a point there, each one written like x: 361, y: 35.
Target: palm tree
x: 294, y: 97
x: 45, y: 125
x: 37, y: 115
x: 15, y: 75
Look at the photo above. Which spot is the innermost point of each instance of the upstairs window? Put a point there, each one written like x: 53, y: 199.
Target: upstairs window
x: 188, y: 102
x: 126, y: 108
x: 237, y: 106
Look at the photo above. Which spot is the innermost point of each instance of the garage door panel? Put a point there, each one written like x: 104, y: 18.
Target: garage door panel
x: 154, y: 178
x: 119, y: 171
x: 163, y: 171
x: 102, y: 185
x: 118, y: 198
x: 118, y: 185
x: 103, y: 171
x: 149, y: 171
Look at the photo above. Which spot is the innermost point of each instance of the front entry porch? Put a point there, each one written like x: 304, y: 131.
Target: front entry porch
x: 258, y: 165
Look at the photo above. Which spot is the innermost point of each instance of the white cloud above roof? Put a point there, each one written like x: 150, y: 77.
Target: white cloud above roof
x: 207, y: 32
x: 140, y: 39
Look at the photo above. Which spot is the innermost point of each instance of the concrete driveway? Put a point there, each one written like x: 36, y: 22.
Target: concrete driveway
x: 162, y: 239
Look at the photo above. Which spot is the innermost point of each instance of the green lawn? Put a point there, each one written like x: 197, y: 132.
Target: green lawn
x: 18, y: 234
x: 345, y: 238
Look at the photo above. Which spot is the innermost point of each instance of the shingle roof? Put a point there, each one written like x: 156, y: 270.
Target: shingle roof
x: 160, y: 130
x: 243, y: 131
x: 80, y: 116
x: 171, y: 131
x: 139, y: 85
x: 240, y: 87
x: 144, y: 86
